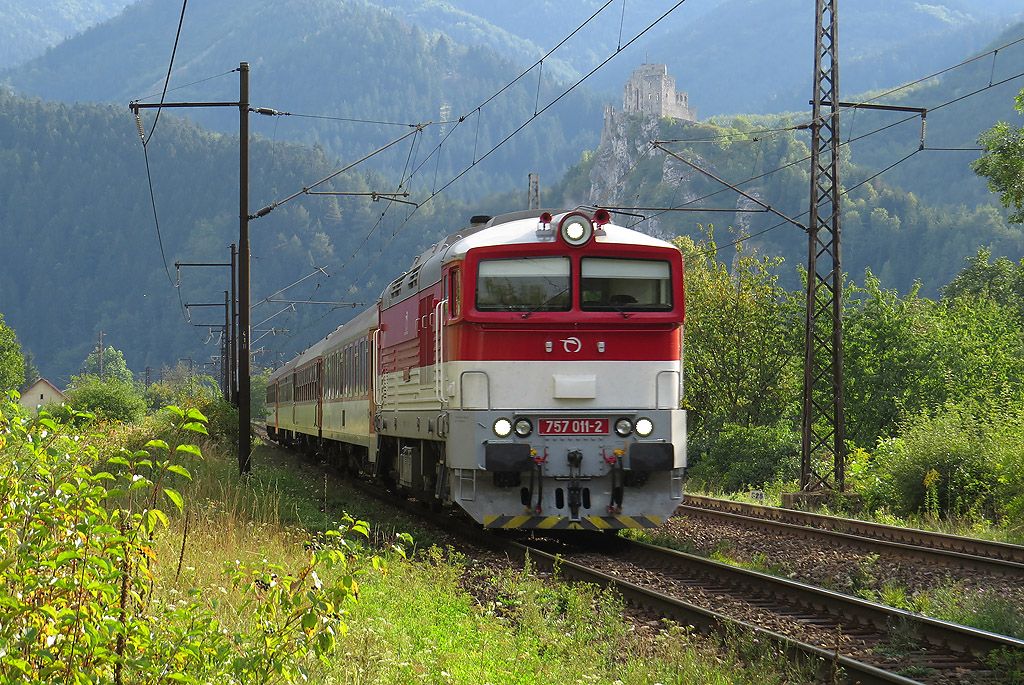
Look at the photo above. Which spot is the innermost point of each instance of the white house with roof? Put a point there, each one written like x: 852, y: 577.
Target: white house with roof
x: 41, y: 393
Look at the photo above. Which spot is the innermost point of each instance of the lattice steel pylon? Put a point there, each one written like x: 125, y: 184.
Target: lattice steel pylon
x: 823, y: 435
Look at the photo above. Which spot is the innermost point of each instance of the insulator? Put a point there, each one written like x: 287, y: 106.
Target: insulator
x: 138, y: 125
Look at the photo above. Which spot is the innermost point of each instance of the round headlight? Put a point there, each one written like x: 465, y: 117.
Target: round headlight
x: 523, y: 427
x: 623, y: 427
x: 502, y: 427
x: 644, y: 427
x: 576, y: 229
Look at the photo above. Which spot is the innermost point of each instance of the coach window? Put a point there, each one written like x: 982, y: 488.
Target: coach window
x: 363, y: 348
x: 537, y: 284
x: 625, y: 285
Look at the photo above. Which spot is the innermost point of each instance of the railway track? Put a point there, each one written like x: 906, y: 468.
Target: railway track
x: 852, y: 640
x: 869, y: 642
x: 909, y: 543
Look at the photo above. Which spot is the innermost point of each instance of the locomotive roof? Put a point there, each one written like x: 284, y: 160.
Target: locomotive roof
x: 504, y: 229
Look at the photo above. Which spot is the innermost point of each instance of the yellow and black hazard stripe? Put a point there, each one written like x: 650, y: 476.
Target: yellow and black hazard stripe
x: 610, y: 522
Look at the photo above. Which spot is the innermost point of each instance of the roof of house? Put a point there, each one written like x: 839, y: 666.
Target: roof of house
x: 43, y: 380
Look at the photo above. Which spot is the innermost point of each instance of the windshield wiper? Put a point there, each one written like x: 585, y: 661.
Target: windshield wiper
x: 619, y: 309
x: 546, y: 302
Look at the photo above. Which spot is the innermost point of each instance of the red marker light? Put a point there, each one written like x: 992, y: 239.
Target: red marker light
x: 602, y: 217
x: 545, y: 218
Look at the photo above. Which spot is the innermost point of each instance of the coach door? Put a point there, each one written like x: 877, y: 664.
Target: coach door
x: 318, y: 415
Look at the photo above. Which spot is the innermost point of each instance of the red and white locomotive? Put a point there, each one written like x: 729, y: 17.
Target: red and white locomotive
x: 526, y: 369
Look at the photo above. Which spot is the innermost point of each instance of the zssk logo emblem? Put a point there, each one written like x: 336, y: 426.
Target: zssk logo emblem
x: 572, y: 345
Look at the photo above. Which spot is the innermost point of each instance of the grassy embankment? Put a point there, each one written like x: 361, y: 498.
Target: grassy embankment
x: 242, y: 584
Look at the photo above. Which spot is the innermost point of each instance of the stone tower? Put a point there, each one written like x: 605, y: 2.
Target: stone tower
x: 652, y: 91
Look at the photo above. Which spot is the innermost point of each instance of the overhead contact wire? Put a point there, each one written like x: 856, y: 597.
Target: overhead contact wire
x: 167, y: 79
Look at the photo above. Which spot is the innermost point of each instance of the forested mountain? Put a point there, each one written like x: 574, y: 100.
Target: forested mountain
x: 346, y: 60
x: 404, y: 60
x: 29, y: 27
x: 81, y: 252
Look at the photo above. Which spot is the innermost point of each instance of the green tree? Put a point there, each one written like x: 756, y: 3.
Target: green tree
x: 907, y: 356
x: 12, y: 364
x: 114, y: 365
x: 1003, y: 162
x: 885, y: 357
x: 740, y: 352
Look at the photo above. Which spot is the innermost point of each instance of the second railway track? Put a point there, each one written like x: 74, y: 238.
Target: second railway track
x: 920, y: 545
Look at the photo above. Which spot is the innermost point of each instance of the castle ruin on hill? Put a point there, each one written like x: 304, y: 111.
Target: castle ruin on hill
x: 652, y: 91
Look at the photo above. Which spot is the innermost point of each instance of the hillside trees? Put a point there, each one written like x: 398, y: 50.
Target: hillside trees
x: 98, y: 233
x: 885, y: 358
x: 905, y: 356
x: 1001, y: 280
x: 740, y: 350
x: 934, y: 387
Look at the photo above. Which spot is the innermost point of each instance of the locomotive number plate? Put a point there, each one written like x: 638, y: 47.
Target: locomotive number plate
x: 573, y: 427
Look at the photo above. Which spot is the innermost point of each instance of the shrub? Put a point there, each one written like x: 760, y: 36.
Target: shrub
x: 951, y: 463
x: 108, y: 400
x: 740, y: 457
x: 79, y: 571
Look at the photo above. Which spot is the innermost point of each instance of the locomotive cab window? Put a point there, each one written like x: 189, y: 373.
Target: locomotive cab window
x: 454, y: 294
x: 540, y: 284
x: 630, y: 285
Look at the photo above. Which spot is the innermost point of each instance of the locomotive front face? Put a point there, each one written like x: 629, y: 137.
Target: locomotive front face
x: 562, y: 376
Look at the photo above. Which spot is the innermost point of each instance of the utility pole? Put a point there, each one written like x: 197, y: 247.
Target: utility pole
x: 233, y: 343
x: 822, y: 429
x: 231, y: 360
x: 244, y: 360
x: 534, y: 193
x: 149, y: 375
x: 225, y: 357
x: 101, y: 355
x: 244, y: 428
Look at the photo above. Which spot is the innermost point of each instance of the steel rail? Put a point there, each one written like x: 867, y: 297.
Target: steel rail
x: 943, y: 645
x: 833, y: 667
x: 915, y: 537
x: 930, y: 555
